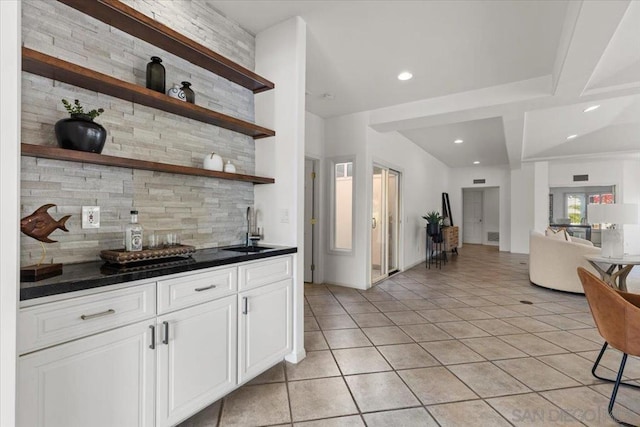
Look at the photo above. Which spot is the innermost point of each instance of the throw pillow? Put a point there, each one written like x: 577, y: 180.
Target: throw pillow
x: 560, y: 234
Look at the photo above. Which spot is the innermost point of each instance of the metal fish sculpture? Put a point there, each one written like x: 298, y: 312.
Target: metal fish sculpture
x: 40, y: 224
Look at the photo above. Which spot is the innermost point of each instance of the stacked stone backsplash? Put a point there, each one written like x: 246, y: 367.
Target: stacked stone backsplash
x: 205, y: 211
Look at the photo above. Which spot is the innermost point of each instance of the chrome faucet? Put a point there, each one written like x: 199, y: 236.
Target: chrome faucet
x: 248, y: 241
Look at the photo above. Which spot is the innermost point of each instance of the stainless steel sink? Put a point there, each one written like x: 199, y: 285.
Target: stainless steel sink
x: 249, y: 249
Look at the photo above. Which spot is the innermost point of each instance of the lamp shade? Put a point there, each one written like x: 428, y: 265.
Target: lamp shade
x: 616, y: 213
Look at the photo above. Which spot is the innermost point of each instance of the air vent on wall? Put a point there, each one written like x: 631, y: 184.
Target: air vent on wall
x: 493, y: 236
x: 579, y: 178
x: 479, y: 181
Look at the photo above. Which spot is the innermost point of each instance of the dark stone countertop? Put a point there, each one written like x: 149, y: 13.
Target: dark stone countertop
x: 88, y: 275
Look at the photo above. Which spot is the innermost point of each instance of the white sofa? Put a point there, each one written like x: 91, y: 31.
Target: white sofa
x: 553, y: 262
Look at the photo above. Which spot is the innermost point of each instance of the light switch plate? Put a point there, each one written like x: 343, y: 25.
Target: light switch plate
x: 91, y: 217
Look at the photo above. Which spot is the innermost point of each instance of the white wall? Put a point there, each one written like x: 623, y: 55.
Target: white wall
x: 281, y: 58
x: 10, y: 67
x: 522, y: 207
x: 490, y: 214
x: 631, y: 194
x: 541, y: 196
x: 423, y: 180
x: 624, y: 174
x: 460, y: 178
x: 346, y: 137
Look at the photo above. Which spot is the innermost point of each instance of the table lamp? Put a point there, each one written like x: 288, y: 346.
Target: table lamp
x: 616, y: 214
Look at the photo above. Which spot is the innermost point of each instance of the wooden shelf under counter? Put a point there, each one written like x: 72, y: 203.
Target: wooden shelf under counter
x: 57, y: 69
x: 56, y: 153
x: 129, y: 20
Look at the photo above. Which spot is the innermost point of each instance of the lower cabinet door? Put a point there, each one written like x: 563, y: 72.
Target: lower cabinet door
x: 265, y: 327
x: 197, y: 358
x: 106, y: 379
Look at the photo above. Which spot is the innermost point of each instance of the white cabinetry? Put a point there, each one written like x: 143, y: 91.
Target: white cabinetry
x: 154, y: 353
x: 102, y: 380
x: 265, y: 328
x: 196, y: 358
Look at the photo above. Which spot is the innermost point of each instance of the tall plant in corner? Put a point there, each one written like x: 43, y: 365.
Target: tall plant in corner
x: 433, y: 222
x: 80, y: 132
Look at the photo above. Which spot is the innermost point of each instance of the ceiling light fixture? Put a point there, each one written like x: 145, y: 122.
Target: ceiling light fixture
x: 405, y: 75
x: 458, y: 141
x: 571, y: 136
x: 593, y: 107
x: 476, y: 162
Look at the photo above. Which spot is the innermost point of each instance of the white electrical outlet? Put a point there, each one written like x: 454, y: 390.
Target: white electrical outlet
x: 91, y: 217
x: 284, y: 216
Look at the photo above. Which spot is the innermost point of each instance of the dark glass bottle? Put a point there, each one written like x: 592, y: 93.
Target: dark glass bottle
x: 188, y: 92
x: 156, y: 75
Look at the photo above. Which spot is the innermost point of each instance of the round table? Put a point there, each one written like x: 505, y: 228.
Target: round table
x: 617, y: 271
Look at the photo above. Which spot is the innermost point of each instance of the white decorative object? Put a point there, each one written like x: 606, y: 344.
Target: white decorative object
x: 176, y: 92
x: 213, y: 162
x: 615, y: 215
x: 229, y: 167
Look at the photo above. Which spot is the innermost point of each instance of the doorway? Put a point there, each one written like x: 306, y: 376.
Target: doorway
x: 310, y: 219
x: 385, y: 226
x: 472, y: 216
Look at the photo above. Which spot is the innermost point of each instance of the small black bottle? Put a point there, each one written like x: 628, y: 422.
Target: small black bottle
x: 156, y: 75
x: 188, y: 92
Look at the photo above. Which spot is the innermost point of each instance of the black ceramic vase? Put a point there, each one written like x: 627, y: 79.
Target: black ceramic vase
x: 156, y: 75
x: 80, y: 132
x: 188, y: 92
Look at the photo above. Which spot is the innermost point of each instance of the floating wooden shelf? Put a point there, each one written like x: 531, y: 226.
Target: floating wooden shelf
x: 100, y: 159
x: 131, y: 21
x: 47, y: 66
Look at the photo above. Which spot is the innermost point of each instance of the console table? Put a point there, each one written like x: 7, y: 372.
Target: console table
x: 450, y: 238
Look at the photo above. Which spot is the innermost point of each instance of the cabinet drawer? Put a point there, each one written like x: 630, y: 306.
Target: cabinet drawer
x: 263, y: 272
x: 52, y: 323
x: 196, y: 288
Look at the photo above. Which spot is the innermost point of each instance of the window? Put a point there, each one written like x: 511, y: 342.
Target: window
x: 342, y: 224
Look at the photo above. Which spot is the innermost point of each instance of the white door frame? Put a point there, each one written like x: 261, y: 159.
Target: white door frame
x: 400, y: 223
x: 314, y: 255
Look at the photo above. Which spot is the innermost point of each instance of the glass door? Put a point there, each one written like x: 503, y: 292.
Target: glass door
x: 378, y: 222
x: 385, y: 228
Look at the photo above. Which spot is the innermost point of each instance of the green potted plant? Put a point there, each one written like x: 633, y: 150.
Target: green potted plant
x: 80, y: 132
x: 433, y: 222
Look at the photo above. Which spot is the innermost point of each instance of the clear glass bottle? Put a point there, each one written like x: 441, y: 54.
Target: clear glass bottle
x: 133, y: 234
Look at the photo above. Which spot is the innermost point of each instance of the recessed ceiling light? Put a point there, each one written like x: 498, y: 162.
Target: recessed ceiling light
x: 405, y: 75
x: 572, y: 136
x: 458, y: 141
x: 476, y: 162
x: 593, y: 107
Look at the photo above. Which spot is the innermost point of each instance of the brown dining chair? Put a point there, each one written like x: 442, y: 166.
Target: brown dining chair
x: 617, y: 316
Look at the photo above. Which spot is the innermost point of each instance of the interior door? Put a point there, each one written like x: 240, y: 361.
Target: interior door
x: 472, y: 216
x: 385, y: 226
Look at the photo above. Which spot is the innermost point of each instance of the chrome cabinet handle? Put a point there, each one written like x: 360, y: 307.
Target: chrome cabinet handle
x: 245, y: 305
x: 152, y: 346
x: 95, y: 315
x: 206, y: 288
x: 165, y: 339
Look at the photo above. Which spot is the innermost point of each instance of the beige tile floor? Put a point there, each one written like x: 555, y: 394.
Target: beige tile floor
x: 440, y: 347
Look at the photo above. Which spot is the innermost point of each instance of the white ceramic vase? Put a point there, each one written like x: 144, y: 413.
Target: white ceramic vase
x: 213, y: 162
x: 176, y: 92
x: 229, y: 167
